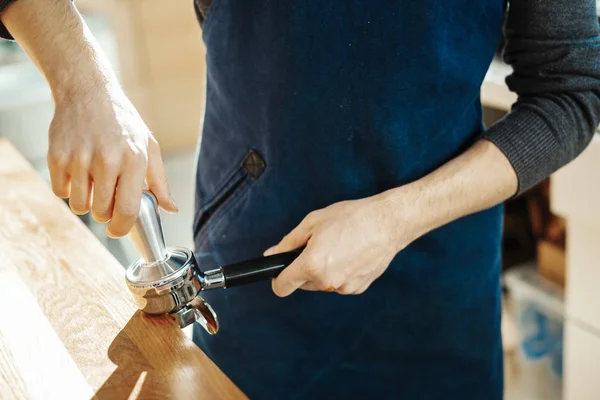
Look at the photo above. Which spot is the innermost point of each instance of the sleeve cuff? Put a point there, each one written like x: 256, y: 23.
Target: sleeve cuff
x: 4, y: 33
x: 514, y: 136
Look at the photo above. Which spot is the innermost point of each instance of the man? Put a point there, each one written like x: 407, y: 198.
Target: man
x: 352, y: 128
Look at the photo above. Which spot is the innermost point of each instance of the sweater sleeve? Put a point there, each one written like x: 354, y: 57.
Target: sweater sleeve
x: 553, y: 47
x: 3, y: 31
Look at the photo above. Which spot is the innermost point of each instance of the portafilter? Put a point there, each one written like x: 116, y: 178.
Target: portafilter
x: 167, y: 280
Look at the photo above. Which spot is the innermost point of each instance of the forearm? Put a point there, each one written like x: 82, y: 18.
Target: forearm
x: 479, y: 178
x: 56, y: 38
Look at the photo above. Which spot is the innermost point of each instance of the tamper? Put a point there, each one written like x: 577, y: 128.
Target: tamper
x: 167, y: 280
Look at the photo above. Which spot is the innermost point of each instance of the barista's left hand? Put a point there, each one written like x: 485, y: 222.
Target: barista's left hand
x: 348, y: 245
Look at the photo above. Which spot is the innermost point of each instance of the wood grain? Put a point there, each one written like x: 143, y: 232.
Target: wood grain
x: 68, y: 327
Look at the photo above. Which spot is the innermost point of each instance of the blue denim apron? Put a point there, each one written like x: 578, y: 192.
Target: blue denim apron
x: 314, y: 102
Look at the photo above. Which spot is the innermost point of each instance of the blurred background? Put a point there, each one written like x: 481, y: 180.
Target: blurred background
x: 163, y: 75
x: 551, y: 326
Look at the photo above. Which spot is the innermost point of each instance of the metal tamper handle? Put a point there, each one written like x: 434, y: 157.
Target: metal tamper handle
x: 147, y: 233
x: 166, y: 280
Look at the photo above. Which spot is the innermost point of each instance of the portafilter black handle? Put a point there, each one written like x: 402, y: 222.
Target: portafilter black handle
x: 258, y: 269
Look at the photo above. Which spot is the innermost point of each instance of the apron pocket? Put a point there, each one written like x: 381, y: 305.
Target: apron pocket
x: 230, y: 193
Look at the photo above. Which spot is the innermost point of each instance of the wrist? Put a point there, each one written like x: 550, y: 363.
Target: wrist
x: 82, y: 72
x: 69, y: 56
x: 85, y: 84
x: 479, y: 178
x: 407, y: 219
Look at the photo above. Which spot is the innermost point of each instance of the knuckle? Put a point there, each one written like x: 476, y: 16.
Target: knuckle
x: 137, y: 158
x: 344, y: 290
x: 58, y: 159
x: 109, y: 160
x: 136, y: 147
x: 81, y: 160
x: 360, y: 290
x: 311, y: 268
x: 311, y: 218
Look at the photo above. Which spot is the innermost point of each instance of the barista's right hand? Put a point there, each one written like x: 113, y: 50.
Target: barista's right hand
x: 100, y: 152
x: 100, y: 149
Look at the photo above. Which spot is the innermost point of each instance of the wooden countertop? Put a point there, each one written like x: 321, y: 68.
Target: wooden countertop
x: 68, y: 328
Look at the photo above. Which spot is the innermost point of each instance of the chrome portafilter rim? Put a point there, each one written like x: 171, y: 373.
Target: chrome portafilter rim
x: 166, y: 279
x: 179, y: 290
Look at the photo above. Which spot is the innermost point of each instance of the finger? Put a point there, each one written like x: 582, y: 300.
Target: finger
x: 292, y: 277
x: 61, y: 183
x: 311, y: 286
x: 353, y: 288
x: 296, y: 239
x: 80, y: 199
x: 59, y: 177
x: 105, y: 175
x: 128, y: 195
x: 156, y: 177
x: 346, y: 289
x: 363, y: 288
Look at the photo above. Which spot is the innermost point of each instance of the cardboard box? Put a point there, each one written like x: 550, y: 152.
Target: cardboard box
x: 549, y: 232
x: 551, y: 262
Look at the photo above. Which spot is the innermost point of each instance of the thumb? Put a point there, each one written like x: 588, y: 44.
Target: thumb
x: 156, y: 178
x: 296, y: 239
